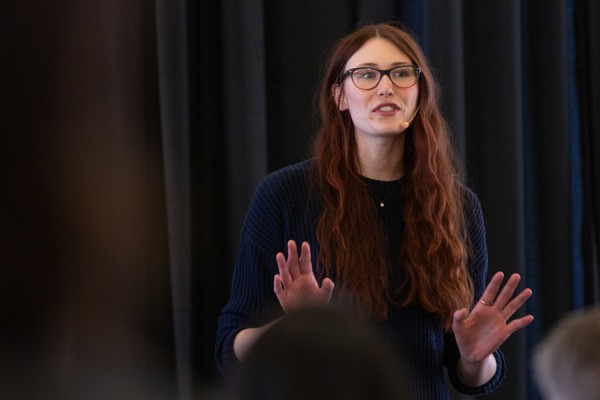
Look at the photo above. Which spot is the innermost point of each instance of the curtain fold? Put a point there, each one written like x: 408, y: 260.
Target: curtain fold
x: 244, y: 116
x: 174, y: 100
x: 587, y: 65
x: 446, y: 37
x: 494, y: 156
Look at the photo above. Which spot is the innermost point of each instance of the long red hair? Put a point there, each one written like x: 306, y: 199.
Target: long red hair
x: 434, y: 247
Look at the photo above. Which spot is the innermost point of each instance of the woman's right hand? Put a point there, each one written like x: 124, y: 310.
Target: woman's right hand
x: 295, y: 285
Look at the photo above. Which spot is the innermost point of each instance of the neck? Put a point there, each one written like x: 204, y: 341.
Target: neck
x: 382, y: 159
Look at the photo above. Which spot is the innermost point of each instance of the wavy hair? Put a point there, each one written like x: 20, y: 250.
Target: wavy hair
x: 434, y: 248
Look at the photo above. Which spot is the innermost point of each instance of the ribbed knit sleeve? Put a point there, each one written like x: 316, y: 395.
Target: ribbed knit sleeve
x: 279, y: 211
x: 478, y: 266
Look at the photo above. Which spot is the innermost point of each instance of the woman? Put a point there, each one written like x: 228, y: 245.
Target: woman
x: 380, y: 211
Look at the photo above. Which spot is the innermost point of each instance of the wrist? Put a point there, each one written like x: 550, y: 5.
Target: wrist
x: 246, y: 338
x: 478, y: 373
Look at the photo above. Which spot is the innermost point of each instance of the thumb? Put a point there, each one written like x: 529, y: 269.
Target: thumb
x: 459, y: 316
x: 327, y: 288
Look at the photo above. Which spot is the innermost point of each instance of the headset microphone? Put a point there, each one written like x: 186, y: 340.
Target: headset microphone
x: 406, y: 124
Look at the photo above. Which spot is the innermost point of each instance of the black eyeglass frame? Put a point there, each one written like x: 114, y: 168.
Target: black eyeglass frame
x: 382, y: 72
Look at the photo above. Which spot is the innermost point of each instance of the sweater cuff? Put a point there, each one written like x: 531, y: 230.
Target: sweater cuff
x: 488, y: 386
x: 225, y: 357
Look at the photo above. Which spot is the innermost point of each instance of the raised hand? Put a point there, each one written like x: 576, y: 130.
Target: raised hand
x: 296, y: 286
x: 480, y: 332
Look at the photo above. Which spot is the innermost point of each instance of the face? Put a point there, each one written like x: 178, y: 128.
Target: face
x: 380, y: 111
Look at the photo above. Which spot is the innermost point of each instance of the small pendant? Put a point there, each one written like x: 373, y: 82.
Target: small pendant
x: 381, y: 204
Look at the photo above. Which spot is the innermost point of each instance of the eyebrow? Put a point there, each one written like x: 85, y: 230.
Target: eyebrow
x: 374, y: 65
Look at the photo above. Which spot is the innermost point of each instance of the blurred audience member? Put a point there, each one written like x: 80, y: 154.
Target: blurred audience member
x: 567, y: 361
x: 319, y: 353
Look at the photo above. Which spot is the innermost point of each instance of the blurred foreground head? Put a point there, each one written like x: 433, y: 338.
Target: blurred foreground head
x: 319, y: 353
x: 567, y: 361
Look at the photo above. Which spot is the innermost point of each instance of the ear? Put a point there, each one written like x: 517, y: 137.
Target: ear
x: 339, y: 97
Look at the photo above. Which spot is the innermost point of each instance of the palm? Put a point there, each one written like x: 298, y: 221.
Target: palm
x: 296, y: 286
x: 480, y: 332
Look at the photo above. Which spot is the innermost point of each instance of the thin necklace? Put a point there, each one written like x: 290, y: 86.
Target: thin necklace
x: 382, y: 201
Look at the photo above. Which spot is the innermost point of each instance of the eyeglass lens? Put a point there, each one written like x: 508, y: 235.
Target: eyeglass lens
x: 368, y: 78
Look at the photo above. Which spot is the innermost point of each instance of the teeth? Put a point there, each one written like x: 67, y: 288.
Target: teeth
x: 387, y: 108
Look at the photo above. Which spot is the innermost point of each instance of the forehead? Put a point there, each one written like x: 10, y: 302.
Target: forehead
x: 378, y: 52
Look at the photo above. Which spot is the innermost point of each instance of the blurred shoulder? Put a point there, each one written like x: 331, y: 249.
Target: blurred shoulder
x: 470, y: 198
x: 293, y: 176
x: 287, y: 184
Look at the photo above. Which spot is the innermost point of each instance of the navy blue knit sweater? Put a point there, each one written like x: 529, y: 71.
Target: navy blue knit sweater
x: 283, y: 209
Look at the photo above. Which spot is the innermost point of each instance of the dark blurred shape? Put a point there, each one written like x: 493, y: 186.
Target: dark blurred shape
x: 319, y: 353
x: 84, y: 269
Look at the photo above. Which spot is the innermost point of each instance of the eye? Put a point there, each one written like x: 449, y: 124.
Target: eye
x: 403, y: 72
x: 365, y: 74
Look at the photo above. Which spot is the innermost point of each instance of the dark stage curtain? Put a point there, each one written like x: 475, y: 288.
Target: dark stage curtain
x: 136, y: 132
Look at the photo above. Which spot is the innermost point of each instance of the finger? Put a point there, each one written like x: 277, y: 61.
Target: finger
x: 519, y: 323
x: 517, y: 303
x: 490, y: 292
x: 292, y: 259
x: 458, y: 318
x: 278, y: 287
x: 461, y: 315
x: 283, y: 269
x: 304, y: 260
x: 508, y: 290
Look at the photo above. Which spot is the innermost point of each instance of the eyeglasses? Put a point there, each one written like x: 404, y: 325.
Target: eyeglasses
x: 367, y: 78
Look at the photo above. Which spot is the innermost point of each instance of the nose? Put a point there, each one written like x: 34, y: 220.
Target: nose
x: 385, y: 86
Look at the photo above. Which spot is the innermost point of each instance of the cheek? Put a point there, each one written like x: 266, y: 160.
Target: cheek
x: 414, y: 98
x: 355, y: 102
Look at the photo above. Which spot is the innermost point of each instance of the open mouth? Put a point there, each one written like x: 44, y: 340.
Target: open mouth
x: 387, y: 108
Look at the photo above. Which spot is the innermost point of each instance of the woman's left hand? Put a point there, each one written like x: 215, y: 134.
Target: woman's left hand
x: 480, y: 332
